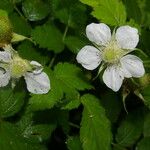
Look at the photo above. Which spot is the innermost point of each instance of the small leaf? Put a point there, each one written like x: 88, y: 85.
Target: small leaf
x: 111, y: 12
x: 49, y: 37
x: 11, y: 100
x: 11, y: 139
x: 47, y: 101
x: 35, y: 10
x: 74, y: 43
x: 71, y: 76
x: 95, y: 132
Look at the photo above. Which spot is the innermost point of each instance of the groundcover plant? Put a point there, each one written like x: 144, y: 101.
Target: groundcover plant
x: 74, y: 75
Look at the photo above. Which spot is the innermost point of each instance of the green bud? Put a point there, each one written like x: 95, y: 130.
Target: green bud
x: 5, y: 29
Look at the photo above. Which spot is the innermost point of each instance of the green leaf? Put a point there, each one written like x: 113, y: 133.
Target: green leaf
x: 73, y: 143
x: 47, y: 101
x: 147, y: 126
x: 39, y: 132
x: 71, y: 77
x: 20, y: 26
x: 95, y: 132
x: 26, y: 48
x: 71, y: 101
x: 112, y: 105
x: 74, y: 43
x: 6, y: 5
x: 11, y: 100
x: 11, y: 139
x: 111, y: 12
x: 130, y: 129
x: 48, y: 36
x: 146, y: 94
x: 133, y: 10
x: 35, y: 10
x: 70, y: 12
x: 144, y: 144
x: 65, y: 79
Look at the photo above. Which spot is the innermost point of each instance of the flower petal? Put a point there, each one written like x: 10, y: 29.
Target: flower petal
x: 133, y: 65
x: 98, y: 33
x: 127, y: 37
x: 89, y: 57
x: 4, y: 77
x: 113, y: 77
x: 37, y: 83
x: 38, y: 67
x: 5, y: 56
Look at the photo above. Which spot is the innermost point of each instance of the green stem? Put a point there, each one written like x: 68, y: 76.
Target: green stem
x: 52, y: 61
x: 65, y: 33
x: 74, y: 125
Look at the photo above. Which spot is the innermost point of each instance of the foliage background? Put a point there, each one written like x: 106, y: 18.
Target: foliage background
x: 79, y: 113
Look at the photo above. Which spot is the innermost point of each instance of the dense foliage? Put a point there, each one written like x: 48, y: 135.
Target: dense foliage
x: 79, y: 112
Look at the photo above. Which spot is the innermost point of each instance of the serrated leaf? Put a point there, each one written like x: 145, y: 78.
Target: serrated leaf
x: 130, y: 129
x: 66, y: 80
x: 11, y: 139
x: 47, y: 101
x: 48, y: 36
x: 133, y: 10
x: 144, y: 144
x: 74, y: 43
x: 71, y: 76
x: 72, y: 101
x: 20, y: 26
x: 111, y: 12
x: 66, y: 12
x: 35, y: 10
x: 95, y: 132
x: 39, y: 132
x: 73, y: 143
x: 11, y: 101
x: 26, y: 48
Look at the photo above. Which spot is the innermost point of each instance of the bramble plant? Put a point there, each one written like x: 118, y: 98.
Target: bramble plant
x: 74, y: 75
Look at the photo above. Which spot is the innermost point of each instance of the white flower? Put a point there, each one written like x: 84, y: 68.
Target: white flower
x: 13, y: 67
x: 112, y: 50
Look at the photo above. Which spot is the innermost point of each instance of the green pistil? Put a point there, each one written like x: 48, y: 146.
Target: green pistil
x: 19, y: 67
x: 112, y: 53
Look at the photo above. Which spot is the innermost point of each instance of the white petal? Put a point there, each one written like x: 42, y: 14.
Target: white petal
x: 127, y: 37
x: 98, y: 33
x: 113, y: 77
x: 133, y: 64
x: 4, y: 77
x: 5, y: 56
x: 38, y: 67
x: 37, y: 83
x: 89, y: 57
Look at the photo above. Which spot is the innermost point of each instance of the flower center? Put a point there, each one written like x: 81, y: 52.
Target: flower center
x: 112, y: 53
x: 19, y: 67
